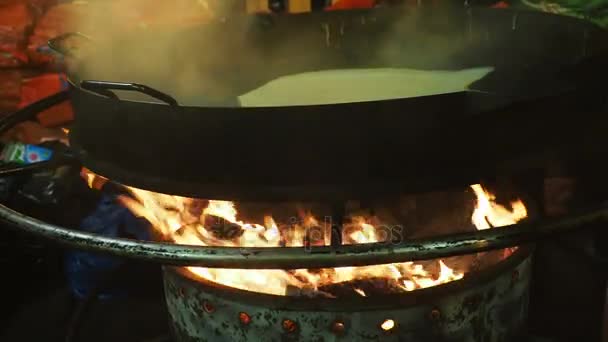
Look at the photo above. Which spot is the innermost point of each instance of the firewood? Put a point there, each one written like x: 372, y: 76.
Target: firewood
x: 221, y: 228
x: 370, y: 287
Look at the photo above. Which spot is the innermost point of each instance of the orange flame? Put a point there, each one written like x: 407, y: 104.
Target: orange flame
x: 93, y: 180
x: 489, y: 214
x: 185, y: 221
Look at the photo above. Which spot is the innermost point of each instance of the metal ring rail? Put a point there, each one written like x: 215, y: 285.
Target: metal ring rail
x: 284, y: 257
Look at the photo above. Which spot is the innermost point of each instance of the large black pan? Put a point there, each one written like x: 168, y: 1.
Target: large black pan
x: 206, y: 146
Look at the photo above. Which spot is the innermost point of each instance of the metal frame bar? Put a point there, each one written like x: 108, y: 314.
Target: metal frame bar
x: 300, y: 257
x: 293, y: 257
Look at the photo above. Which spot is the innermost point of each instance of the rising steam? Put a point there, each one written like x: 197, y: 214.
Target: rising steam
x: 208, y: 53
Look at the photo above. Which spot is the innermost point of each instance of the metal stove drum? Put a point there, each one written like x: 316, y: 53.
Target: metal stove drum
x: 489, y: 306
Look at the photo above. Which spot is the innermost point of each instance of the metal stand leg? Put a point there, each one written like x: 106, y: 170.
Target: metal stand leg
x: 337, y: 221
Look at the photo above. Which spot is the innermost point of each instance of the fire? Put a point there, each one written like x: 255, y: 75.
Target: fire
x: 93, y: 180
x: 489, y: 214
x: 215, y: 223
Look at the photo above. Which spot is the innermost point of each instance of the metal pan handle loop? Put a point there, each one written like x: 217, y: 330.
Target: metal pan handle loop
x: 57, y: 44
x: 105, y: 88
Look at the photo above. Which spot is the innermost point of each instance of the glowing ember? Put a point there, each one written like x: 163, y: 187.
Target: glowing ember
x: 387, y: 325
x: 360, y: 292
x: 215, y: 223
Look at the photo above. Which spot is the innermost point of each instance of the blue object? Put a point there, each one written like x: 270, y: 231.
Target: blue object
x: 36, y: 154
x: 25, y: 154
x: 86, y: 271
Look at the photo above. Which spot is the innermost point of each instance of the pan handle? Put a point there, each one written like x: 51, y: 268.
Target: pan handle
x: 105, y: 88
x: 56, y: 44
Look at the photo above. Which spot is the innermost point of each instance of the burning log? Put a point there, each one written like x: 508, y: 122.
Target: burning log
x: 350, y: 289
x: 194, y: 210
x: 363, y: 288
x: 437, y: 212
x: 222, y: 228
x: 306, y: 291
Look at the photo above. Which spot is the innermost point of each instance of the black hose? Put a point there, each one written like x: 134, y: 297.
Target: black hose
x: 30, y: 112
